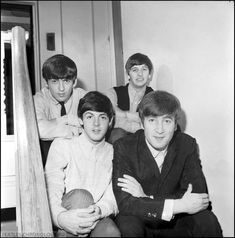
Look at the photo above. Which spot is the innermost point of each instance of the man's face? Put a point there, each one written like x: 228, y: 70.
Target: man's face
x: 159, y: 130
x: 139, y: 75
x: 95, y: 125
x: 61, y: 89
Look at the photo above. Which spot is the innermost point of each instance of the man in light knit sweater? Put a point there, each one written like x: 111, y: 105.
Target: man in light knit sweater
x: 78, y: 174
x: 56, y: 104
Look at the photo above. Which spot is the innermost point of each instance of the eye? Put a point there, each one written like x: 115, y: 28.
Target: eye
x: 54, y: 80
x: 168, y: 121
x: 104, y: 117
x: 88, y: 116
x: 151, y: 119
x: 134, y: 70
x: 68, y: 81
x: 145, y: 69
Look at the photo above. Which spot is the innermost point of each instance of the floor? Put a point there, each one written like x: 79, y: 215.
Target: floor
x: 8, y: 223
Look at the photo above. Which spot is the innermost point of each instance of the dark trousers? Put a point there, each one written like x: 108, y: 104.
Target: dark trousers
x: 44, y: 146
x: 201, y: 224
x: 81, y: 198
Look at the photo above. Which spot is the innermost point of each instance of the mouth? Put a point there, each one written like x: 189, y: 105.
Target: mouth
x: 96, y: 131
x: 159, y: 138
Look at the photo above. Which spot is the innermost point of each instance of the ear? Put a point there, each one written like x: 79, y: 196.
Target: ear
x: 175, y: 126
x: 80, y: 121
x: 75, y: 82
x: 111, y: 121
x: 46, y: 85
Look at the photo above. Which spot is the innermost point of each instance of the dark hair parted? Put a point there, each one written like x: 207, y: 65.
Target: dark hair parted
x: 95, y: 101
x: 59, y: 67
x: 138, y: 59
x: 158, y: 103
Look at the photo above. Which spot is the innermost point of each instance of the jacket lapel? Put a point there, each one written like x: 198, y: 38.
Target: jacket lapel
x: 168, y: 161
x: 149, y: 160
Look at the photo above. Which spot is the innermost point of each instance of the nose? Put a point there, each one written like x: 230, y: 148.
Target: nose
x: 159, y: 127
x: 61, y: 85
x: 140, y: 72
x: 96, y: 121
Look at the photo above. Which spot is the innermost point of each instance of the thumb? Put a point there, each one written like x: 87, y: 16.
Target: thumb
x: 190, y: 188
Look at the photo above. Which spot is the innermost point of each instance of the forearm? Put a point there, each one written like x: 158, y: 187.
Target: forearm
x: 108, y: 203
x: 63, y: 127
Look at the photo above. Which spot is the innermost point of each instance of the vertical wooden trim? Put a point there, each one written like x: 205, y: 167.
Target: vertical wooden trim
x: 33, y: 214
x: 118, y: 46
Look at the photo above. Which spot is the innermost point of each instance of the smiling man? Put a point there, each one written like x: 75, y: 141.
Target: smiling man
x: 158, y: 180
x: 78, y: 174
x: 125, y: 99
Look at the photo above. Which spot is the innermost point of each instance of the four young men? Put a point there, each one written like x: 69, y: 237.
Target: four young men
x: 154, y: 172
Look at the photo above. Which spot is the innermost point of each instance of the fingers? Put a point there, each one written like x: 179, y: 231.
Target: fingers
x: 190, y: 188
x: 130, y: 178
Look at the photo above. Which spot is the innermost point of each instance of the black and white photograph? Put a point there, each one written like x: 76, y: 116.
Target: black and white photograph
x: 117, y: 118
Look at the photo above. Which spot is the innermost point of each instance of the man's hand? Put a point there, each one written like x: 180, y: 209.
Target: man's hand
x: 191, y: 203
x: 131, y: 185
x: 79, y: 221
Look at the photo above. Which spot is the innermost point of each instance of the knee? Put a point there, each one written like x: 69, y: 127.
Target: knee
x: 208, y: 224
x: 77, y: 198
x: 111, y: 230
x: 106, y: 228
x: 130, y: 226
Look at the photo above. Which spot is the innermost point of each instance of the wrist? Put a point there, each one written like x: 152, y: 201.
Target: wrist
x: 178, y: 206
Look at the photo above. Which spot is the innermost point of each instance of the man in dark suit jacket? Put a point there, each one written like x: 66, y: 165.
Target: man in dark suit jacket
x: 157, y: 176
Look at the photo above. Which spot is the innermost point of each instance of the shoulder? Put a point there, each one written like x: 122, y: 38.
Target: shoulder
x: 79, y: 92
x: 62, y: 143
x: 42, y: 98
x: 108, y: 148
x: 120, y: 88
x: 131, y: 141
x: 42, y: 94
x: 184, y: 142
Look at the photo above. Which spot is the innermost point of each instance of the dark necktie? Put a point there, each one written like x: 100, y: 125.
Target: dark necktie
x: 63, y: 111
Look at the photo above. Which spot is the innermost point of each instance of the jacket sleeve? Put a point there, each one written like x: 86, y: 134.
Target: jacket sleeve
x: 146, y: 208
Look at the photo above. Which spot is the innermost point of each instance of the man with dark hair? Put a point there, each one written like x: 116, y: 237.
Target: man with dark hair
x: 78, y: 174
x: 56, y: 104
x: 125, y: 99
x: 158, y: 180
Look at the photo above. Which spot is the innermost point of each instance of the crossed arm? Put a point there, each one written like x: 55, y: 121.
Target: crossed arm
x: 190, y: 202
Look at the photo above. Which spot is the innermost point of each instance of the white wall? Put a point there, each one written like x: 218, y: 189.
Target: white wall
x: 191, y: 46
x: 83, y: 31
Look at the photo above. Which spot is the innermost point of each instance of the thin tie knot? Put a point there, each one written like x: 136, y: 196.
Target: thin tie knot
x: 63, y: 110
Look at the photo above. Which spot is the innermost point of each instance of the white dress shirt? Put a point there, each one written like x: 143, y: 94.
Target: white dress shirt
x: 78, y: 164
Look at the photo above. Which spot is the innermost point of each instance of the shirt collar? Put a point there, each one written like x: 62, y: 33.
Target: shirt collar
x: 133, y: 91
x: 155, y: 152
x: 88, y: 145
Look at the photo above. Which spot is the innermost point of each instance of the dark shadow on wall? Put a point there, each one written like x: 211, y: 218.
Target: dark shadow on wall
x: 182, y: 120
x: 80, y: 84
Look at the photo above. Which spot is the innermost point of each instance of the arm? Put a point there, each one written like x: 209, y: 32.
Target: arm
x: 128, y: 204
x: 190, y: 202
x: 49, y: 129
x: 178, y: 202
x: 107, y: 203
x: 126, y: 120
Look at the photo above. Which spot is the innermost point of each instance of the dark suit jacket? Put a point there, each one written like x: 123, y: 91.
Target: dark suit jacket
x: 181, y: 167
